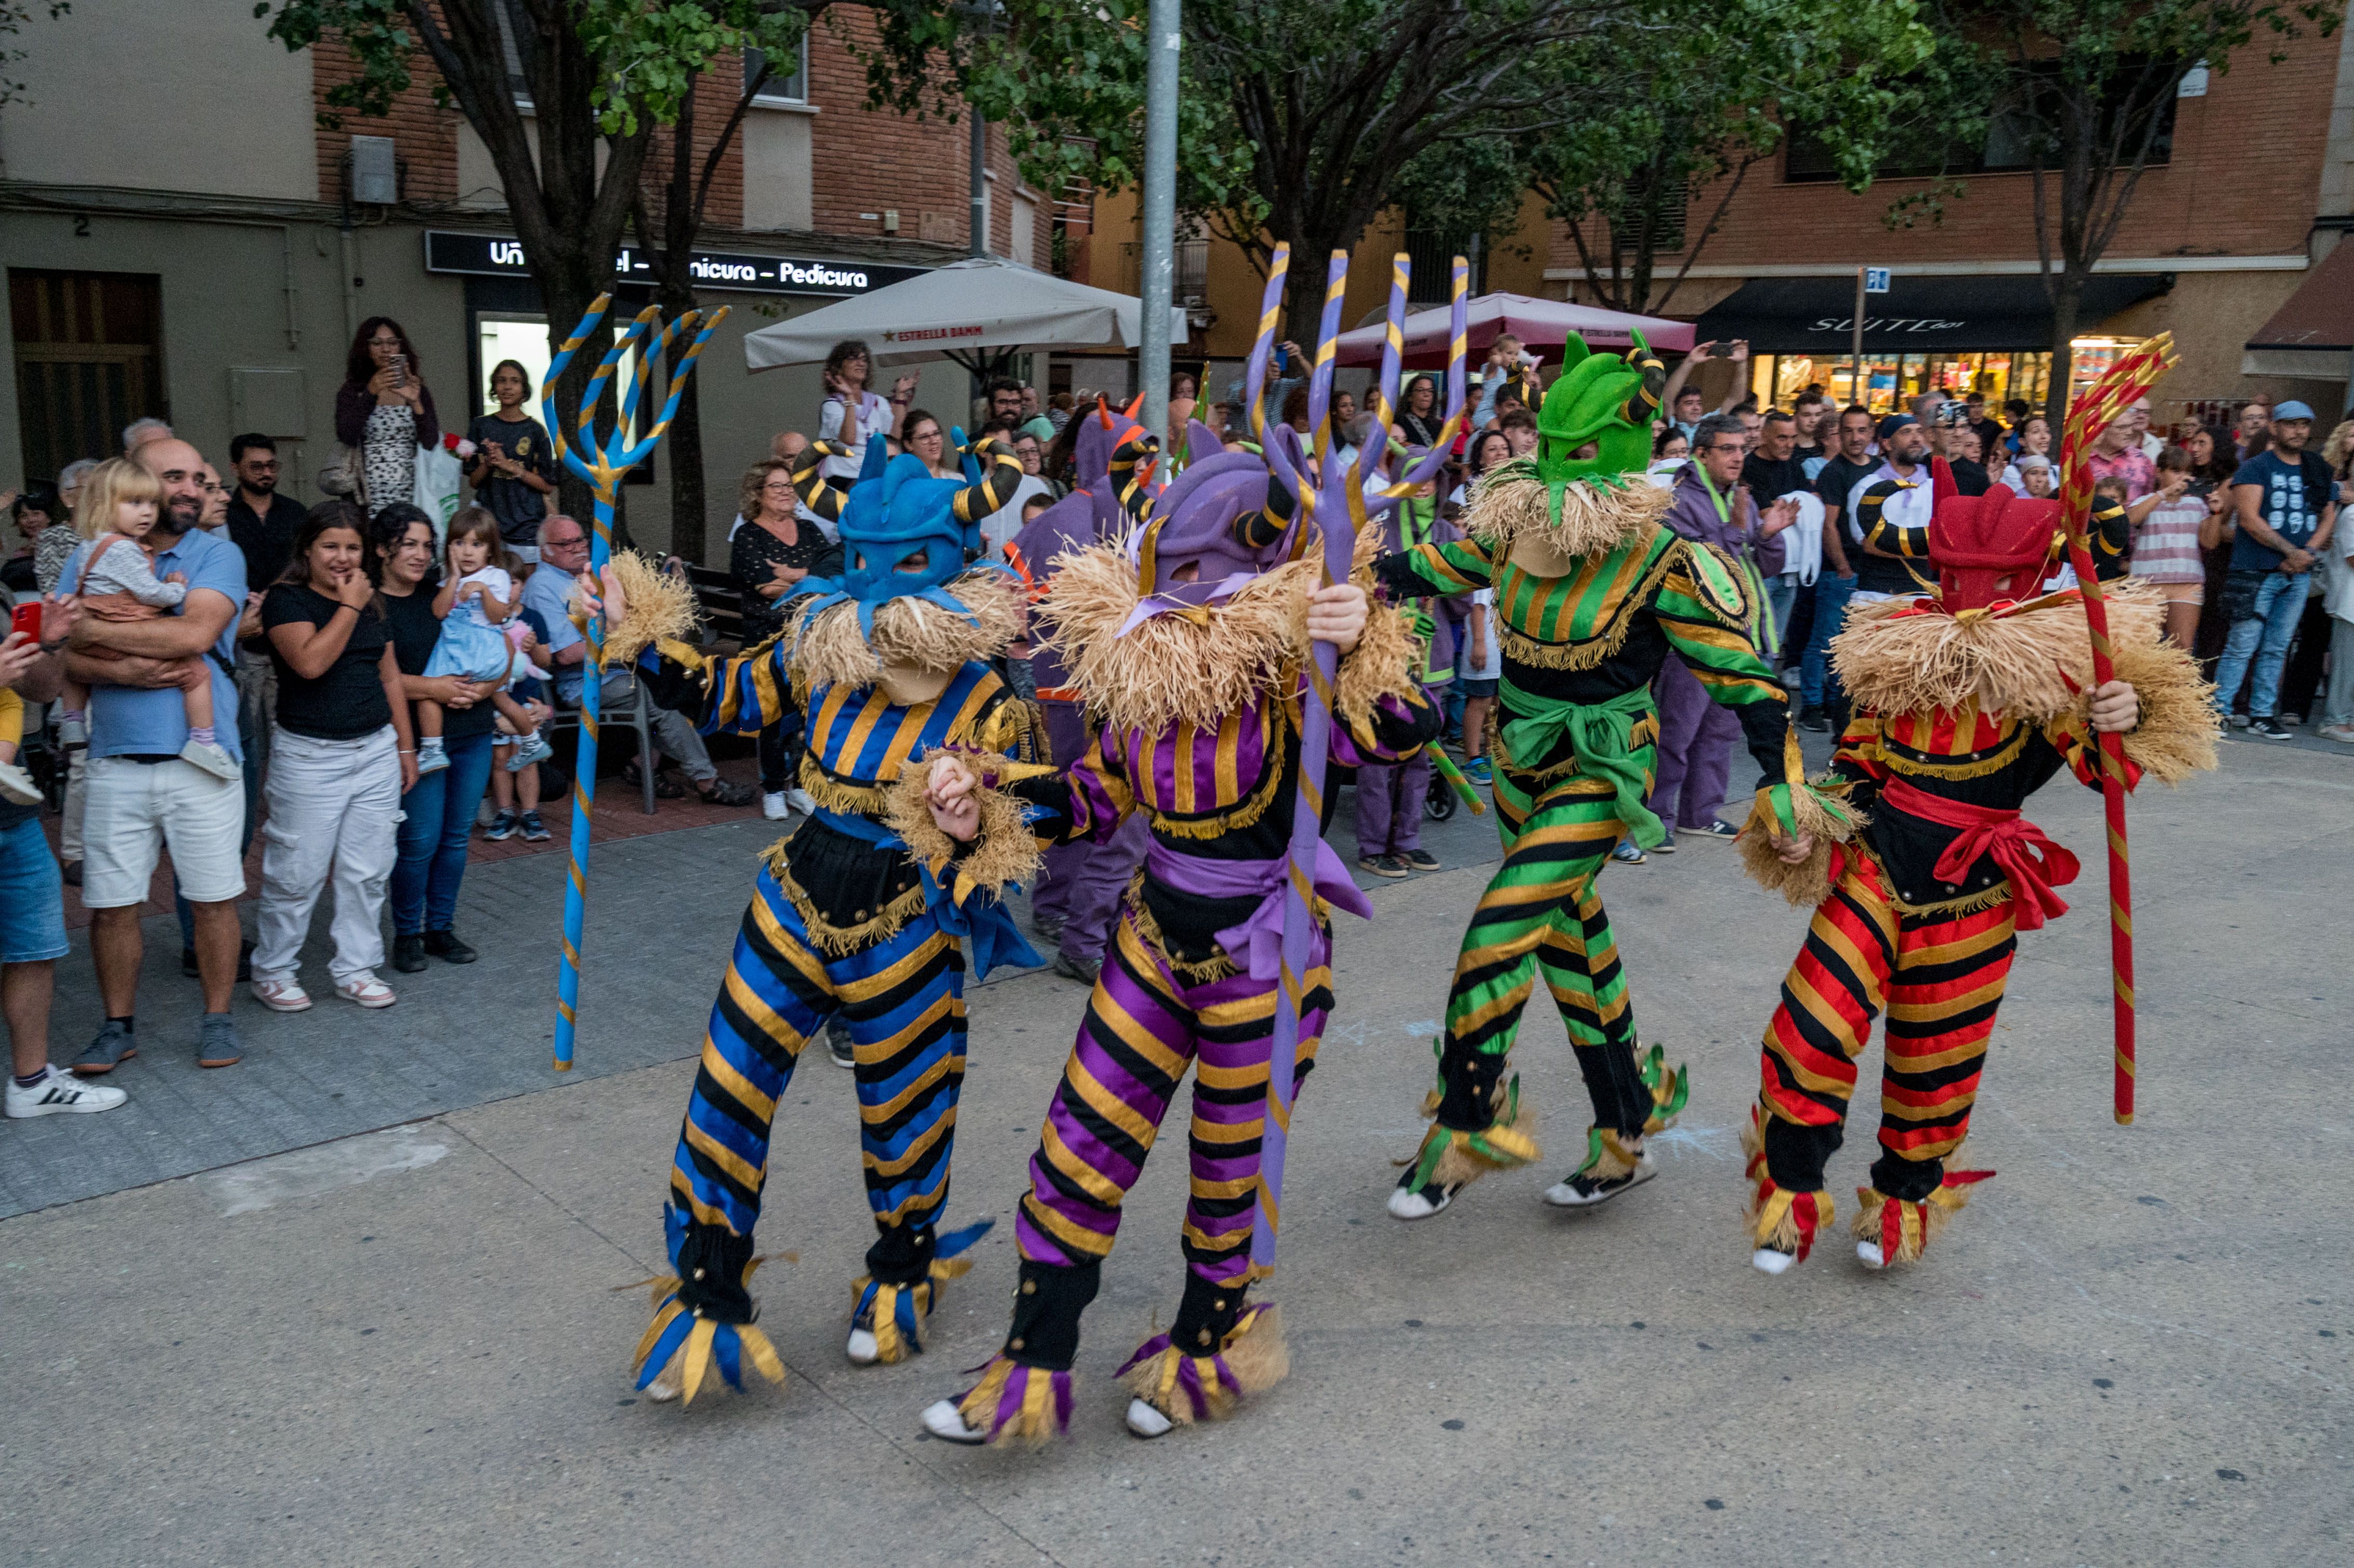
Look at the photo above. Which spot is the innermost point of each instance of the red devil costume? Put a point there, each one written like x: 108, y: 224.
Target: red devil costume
x: 1965, y: 703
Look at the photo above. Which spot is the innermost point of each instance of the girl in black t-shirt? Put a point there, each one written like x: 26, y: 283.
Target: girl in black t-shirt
x: 343, y: 757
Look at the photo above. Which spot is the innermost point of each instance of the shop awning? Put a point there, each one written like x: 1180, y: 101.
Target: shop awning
x: 1919, y: 315
x: 2312, y: 335
x: 1538, y: 323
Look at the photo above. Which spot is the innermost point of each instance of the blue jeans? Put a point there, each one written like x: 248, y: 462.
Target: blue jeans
x: 437, y: 819
x: 1831, y: 592
x: 2264, y: 607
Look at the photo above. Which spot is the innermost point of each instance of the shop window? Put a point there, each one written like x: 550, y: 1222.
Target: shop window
x: 88, y: 361
x: 523, y: 338
x: 1892, y: 380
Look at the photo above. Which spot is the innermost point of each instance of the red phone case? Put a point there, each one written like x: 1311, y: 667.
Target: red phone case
x: 27, y: 618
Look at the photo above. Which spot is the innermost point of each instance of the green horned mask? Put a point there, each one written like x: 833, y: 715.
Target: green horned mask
x: 1602, y: 398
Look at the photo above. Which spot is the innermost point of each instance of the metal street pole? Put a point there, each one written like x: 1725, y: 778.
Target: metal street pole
x: 979, y: 225
x: 1856, y: 382
x: 1164, y: 27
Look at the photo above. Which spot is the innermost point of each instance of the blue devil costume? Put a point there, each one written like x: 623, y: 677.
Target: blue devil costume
x: 862, y: 911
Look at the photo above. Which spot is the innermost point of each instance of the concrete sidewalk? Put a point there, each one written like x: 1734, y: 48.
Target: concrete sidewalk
x: 2133, y: 1348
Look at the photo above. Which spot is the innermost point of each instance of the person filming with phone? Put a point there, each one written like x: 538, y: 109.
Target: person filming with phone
x: 384, y: 410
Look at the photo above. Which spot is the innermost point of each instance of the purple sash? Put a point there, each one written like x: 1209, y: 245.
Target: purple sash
x: 1258, y: 939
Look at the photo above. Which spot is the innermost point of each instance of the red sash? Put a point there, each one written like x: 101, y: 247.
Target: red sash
x: 2033, y: 863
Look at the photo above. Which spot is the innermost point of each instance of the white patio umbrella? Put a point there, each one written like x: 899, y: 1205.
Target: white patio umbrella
x: 1538, y: 323
x: 975, y: 312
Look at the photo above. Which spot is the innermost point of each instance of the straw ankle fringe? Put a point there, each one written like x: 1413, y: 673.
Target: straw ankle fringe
x: 1777, y: 1218
x: 1253, y: 1360
x: 1170, y: 669
x: 1918, y: 1224
x: 1042, y: 1411
x: 2179, y: 725
x: 829, y: 649
x: 1510, y: 1143
x: 1609, y: 1158
x: 1514, y: 504
x: 2033, y: 664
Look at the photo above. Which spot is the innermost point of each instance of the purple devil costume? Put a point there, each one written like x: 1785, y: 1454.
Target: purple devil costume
x: 1187, y: 643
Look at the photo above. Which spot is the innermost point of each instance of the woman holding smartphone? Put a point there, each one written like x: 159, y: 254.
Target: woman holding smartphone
x: 384, y: 410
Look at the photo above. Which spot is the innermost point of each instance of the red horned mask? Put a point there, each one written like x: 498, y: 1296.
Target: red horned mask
x: 1987, y: 548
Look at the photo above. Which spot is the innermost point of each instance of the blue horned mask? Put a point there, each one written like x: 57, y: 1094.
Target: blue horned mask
x: 901, y: 538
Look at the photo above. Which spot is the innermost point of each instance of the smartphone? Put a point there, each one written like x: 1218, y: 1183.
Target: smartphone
x: 1720, y: 351
x: 400, y: 370
x: 27, y: 618
x: 1282, y: 356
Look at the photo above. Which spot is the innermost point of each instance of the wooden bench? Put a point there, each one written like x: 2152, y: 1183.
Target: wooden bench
x: 721, y: 603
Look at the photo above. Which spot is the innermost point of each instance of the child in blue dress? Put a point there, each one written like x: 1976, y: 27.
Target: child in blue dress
x: 481, y: 640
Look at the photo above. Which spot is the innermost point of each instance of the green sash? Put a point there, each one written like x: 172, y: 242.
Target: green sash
x: 1602, y: 738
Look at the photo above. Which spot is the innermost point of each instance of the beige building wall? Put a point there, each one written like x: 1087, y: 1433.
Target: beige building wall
x: 179, y: 95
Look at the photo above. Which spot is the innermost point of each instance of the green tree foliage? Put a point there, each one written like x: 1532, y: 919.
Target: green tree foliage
x: 14, y: 15
x: 1677, y: 105
x: 2085, y: 88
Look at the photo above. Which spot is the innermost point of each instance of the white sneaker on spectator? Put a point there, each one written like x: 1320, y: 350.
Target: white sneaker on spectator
x: 431, y: 756
x: 773, y: 806
x: 799, y: 799
x: 17, y: 785
x: 367, y: 990
x: 209, y: 756
x: 60, y: 1094
x: 281, y: 995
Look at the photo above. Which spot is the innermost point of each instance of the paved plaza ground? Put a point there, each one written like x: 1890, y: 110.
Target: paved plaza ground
x: 355, y: 1301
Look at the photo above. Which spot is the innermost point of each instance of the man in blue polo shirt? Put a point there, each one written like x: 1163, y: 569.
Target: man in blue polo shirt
x: 141, y: 795
x: 2286, y: 506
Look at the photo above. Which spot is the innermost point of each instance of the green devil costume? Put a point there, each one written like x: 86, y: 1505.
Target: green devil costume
x: 1592, y: 593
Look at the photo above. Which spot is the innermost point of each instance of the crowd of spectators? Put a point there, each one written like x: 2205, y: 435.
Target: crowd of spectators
x: 321, y: 641
x: 215, y: 659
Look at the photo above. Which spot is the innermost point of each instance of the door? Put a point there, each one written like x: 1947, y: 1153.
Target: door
x: 88, y: 361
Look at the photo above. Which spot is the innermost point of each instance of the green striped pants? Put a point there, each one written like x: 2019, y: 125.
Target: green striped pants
x: 1541, y: 914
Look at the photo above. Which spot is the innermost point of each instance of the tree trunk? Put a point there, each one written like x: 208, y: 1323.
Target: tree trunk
x: 2067, y: 295
x: 683, y: 446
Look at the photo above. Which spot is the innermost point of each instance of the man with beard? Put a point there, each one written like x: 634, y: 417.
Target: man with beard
x: 141, y: 795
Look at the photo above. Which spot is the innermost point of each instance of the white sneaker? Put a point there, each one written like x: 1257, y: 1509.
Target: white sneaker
x: 209, y: 756
x: 799, y: 799
x: 366, y: 989
x: 1147, y: 1422
x: 60, y: 1094
x: 281, y: 995
x: 775, y: 805
x: 1867, y: 1254
x: 945, y: 1421
x: 1578, y: 1191
x: 431, y: 757
x: 1772, y: 1260
x: 862, y: 1347
x: 17, y: 785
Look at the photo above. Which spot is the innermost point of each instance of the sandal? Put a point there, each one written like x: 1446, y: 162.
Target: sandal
x: 665, y: 786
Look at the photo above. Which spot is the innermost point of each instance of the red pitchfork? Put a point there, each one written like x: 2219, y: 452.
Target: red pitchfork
x: 2129, y: 379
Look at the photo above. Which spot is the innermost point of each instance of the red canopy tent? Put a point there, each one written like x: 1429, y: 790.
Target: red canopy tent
x: 1540, y: 324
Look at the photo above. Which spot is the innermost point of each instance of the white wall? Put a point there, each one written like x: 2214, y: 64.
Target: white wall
x: 187, y: 95
x: 776, y: 178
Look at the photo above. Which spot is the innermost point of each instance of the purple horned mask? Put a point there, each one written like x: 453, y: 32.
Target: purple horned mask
x: 1207, y: 538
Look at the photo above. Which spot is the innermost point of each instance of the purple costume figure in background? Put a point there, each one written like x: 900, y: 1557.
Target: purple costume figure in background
x: 1080, y: 886
x: 1390, y: 795
x: 1696, y: 736
x: 1189, y: 643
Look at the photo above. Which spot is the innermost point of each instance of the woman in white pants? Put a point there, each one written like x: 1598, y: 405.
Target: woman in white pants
x: 342, y: 757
